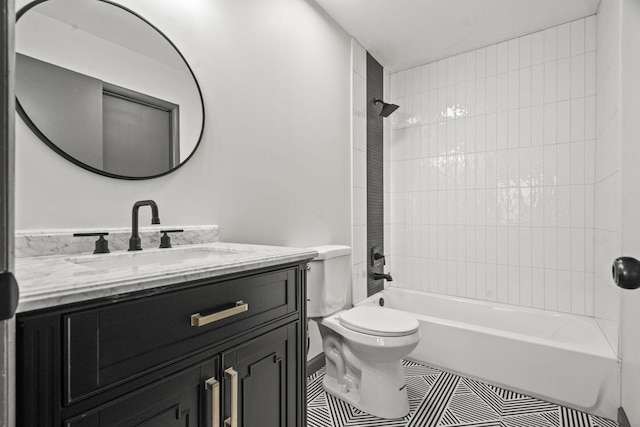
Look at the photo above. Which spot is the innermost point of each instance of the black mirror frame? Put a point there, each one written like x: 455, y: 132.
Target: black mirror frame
x: 77, y: 162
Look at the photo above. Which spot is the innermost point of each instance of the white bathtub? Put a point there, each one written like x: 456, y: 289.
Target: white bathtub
x: 556, y: 357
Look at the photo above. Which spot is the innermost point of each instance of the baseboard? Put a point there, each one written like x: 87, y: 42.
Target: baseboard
x: 315, y: 364
x: 622, y: 418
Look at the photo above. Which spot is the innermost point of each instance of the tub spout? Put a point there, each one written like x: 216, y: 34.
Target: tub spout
x: 381, y: 276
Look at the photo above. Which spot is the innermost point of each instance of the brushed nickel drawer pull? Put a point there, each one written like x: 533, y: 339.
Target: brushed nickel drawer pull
x: 198, y: 320
x: 213, y: 385
x: 232, y: 421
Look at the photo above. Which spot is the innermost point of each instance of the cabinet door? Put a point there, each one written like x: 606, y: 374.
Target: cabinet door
x: 179, y: 400
x: 264, y: 391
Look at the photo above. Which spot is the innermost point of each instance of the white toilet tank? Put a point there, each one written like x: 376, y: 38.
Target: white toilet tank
x: 328, y: 280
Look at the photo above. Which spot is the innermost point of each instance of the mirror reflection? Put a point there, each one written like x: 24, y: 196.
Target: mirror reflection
x: 105, y: 89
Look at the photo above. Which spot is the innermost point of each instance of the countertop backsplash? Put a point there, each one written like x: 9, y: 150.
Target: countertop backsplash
x: 35, y: 243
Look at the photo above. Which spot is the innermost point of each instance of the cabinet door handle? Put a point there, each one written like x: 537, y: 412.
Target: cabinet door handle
x: 198, y: 320
x: 232, y: 421
x: 213, y: 385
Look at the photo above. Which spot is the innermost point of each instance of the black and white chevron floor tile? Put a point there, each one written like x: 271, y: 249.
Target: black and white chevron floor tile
x: 442, y: 399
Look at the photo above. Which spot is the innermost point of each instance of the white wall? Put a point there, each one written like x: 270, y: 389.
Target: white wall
x: 492, y: 172
x: 274, y: 163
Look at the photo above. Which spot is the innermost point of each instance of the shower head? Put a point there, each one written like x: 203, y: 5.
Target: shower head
x: 387, y: 109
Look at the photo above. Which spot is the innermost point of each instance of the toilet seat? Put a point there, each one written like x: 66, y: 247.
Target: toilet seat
x: 378, y: 321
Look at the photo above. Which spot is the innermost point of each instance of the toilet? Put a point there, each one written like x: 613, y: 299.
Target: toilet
x: 363, y: 345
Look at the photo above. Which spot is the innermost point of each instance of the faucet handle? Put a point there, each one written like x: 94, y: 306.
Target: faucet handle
x: 102, y: 245
x: 165, y: 240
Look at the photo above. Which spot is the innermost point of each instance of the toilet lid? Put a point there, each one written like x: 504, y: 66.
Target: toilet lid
x: 379, y: 321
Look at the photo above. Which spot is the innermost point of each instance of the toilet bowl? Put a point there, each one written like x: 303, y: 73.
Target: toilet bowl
x: 363, y: 345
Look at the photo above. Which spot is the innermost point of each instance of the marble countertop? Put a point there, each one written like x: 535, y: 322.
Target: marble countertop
x: 49, y: 281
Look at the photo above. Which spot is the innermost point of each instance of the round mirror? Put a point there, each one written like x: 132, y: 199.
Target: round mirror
x: 106, y: 89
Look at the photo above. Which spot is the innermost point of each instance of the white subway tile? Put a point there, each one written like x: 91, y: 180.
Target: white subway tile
x: 578, y: 293
x: 433, y: 76
x: 564, y: 122
x: 550, y: 124
x: 564, y: 79
x: 502, y: 92
x: 578, y: 119
x: 537, y: 206
x: 513, y: 96
x: 481, y: 244
x: 526, y: 291
x: 537, y: 48
x: 550, y: 44
x: 578, y: 203
x: 408, y: 82
x: 470, y: 65
x: 525, y: 88
x: 590, y: 117
x: 564, y: 40
x: 513, y: 125
x: 481, y: 97
x: 491, y: 95
x: 578, y: 246
x: 481, y: 63
x: 470, y: 243
x: 470, y: 101
x: 502, y: 283
x: 442, y: 73
x: 550, y: 289
x: 563, y: 200
x: 514, y: 285
x: 537, y: 247
x: 502, y: 130
x: 492, y: 278
x: 524, y: 241
x: 513, y: 54
x: 424, y: 77
x: 550, y: 206
x: 502, y: 57
x: 590, y: 33
x: 537, y: 125
x: 537, y: 84
x: 590, y: 74
x: 461, y: 66
x: 525, y: 51
x: 564, y: 291
x: 550, y: 81
x: 451, y: 70
x: 470, y: 280
x: 537, y: 288
x: 578, y: 76
x: 577, y: 163
x: 577, y: 37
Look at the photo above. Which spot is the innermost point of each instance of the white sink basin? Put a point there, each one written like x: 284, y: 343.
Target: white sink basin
x: 161, y: 257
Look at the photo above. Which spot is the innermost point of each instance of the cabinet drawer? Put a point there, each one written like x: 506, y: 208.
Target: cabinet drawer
x: 107, y: 345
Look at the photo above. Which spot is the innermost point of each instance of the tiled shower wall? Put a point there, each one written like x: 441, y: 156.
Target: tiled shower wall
x: 359, y: 171
x: 608, y: 201
x: 493, y: 169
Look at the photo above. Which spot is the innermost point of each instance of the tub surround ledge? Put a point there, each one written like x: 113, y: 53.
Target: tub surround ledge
x: 49, y: 281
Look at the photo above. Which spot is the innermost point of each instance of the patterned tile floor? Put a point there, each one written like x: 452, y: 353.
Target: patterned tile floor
x: 439, y: 398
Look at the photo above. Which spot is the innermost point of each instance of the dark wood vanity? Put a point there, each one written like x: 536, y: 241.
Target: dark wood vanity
x: 136, y: 360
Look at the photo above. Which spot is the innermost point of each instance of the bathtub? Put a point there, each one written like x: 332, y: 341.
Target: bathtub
x: 556, y: 357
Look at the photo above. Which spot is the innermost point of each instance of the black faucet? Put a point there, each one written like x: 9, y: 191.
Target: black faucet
x: 134, y: 241
x: 380, y: 276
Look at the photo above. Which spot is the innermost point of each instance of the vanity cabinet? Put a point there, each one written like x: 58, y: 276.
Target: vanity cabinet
x: 142, y: 360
